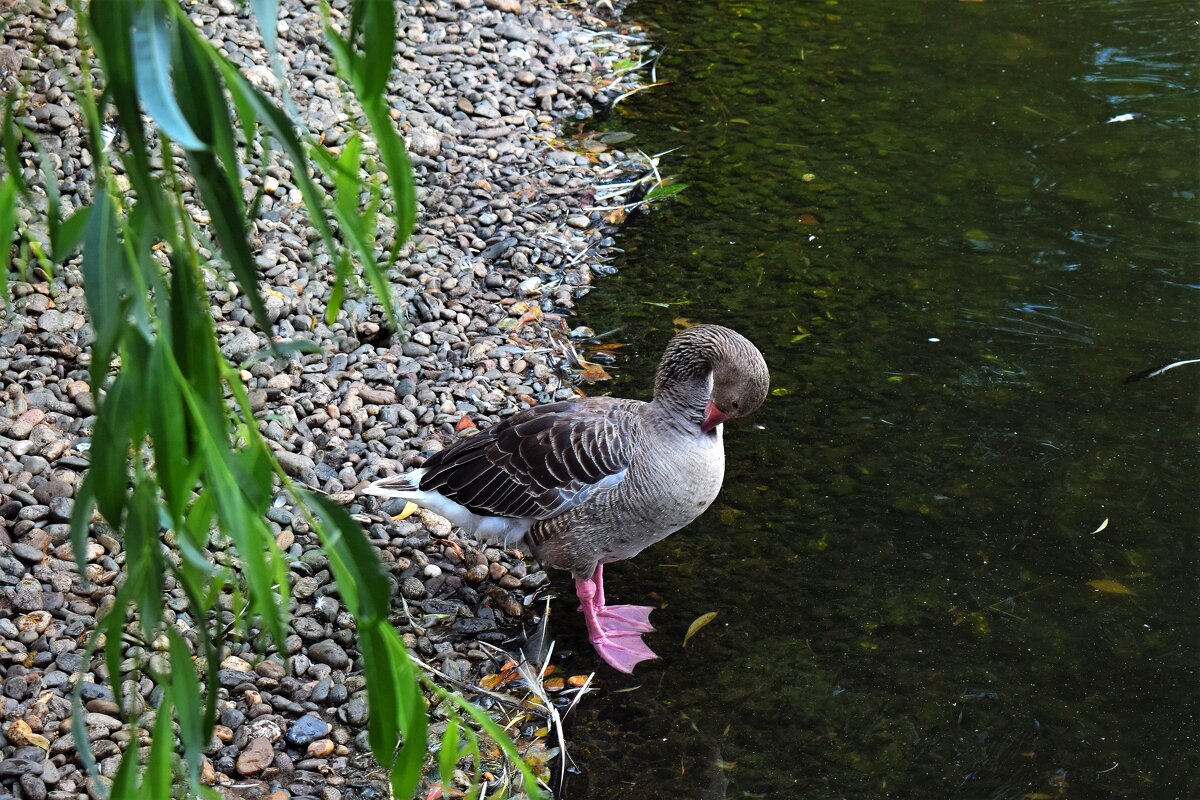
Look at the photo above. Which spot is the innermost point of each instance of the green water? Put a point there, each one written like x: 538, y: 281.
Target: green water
x: 951, y: 258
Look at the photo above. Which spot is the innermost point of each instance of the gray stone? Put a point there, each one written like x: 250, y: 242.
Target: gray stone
x: 329, y: 652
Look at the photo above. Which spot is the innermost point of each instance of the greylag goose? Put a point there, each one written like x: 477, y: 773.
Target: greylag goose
x: 594, y: 480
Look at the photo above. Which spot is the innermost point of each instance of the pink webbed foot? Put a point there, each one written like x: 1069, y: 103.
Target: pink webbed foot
x: 628, y: 618
x: 623, y: 651
x: 615, y: 631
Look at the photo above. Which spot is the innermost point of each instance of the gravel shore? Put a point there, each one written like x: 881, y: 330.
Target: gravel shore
x: 504, y: 246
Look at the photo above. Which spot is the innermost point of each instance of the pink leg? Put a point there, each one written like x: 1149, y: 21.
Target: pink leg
x: 635, y: 618
x: 615, y: 631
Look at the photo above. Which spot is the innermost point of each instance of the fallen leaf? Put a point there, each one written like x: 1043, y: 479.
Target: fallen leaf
x: 726, y: 765
x: 616, y: 216
x: 730, y: 515
x: 1103, y: 525
x: 37, y: 740
x: 1110, y: 587
x: 553, y: 685
x: 575, y: 681
x: 532, y: 315
x: 700, y: 622
x: 406, y: 512
x: 464, y: 424
x: 808, y: 219
x: 593, y: 372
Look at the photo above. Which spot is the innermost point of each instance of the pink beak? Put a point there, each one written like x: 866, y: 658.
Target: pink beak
x: 713, y: 417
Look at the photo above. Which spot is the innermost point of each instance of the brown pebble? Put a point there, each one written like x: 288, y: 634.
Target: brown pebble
x: 320, y: 748
x: 255, y: 758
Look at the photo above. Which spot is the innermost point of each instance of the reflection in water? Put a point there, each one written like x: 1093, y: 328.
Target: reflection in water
x: 922, y: 215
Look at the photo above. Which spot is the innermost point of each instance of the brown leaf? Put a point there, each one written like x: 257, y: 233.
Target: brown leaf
x: 532, y: 315
x: 699, y: 623
x: 593, y: 372
x: 683, y: 323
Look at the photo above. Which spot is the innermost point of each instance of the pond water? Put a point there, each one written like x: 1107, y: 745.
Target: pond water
x: 955, y: 556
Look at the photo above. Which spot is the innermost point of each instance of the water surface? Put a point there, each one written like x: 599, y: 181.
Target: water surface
x: 953, y: 229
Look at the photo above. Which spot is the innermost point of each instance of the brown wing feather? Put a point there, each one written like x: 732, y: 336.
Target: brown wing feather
x: 538, y: 463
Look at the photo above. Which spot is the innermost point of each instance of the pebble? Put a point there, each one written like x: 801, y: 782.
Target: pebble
x: 257, y: 756
x: 329, y: 652
x: 308, y: 729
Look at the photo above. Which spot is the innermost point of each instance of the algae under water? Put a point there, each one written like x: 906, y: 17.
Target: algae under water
x: 953, y: 229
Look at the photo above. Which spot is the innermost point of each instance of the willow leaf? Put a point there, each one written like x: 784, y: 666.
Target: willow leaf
x: 158, y: 778
x: 124, y: 785
x: 361, y: 579
x: 186, y: 686
x: 152, y: 73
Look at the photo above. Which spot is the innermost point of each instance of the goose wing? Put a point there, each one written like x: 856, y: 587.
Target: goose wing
x: 540, y: 462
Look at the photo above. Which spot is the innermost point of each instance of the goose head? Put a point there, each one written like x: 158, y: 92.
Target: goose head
x: 710, y: 374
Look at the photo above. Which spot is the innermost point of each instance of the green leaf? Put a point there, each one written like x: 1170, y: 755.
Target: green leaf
x: 397, y: 707
x: 168, y: 430
x: 152, y: 73
x: 158, y: 778
x: 192, y: 730
x: 8, y: 224
x: 206, y: 107
x: 81, y: 518
x: 12, y: 153
x: 105, y: 278
x: 112, y: 626
x: 664, y: 190
x: 224, y: 205
x: 266, y: 12
x: 498, y: 736
x: 69, y: 233
x: 109, y: 469
x: 143, y: 559
x: 110, y: 25
x: 361, y: 579
x: 379, y: 42
x: 124, y: 785
x: 448, y: 753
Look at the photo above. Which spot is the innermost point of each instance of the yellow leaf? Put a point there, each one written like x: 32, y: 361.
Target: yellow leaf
x: 730, y: 515
x: 408, y: 510
x: 1103, y: 525
x: 37, y: 740
x: 683, y: 323
x: 1110, y: 587
x: 700, y: 622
